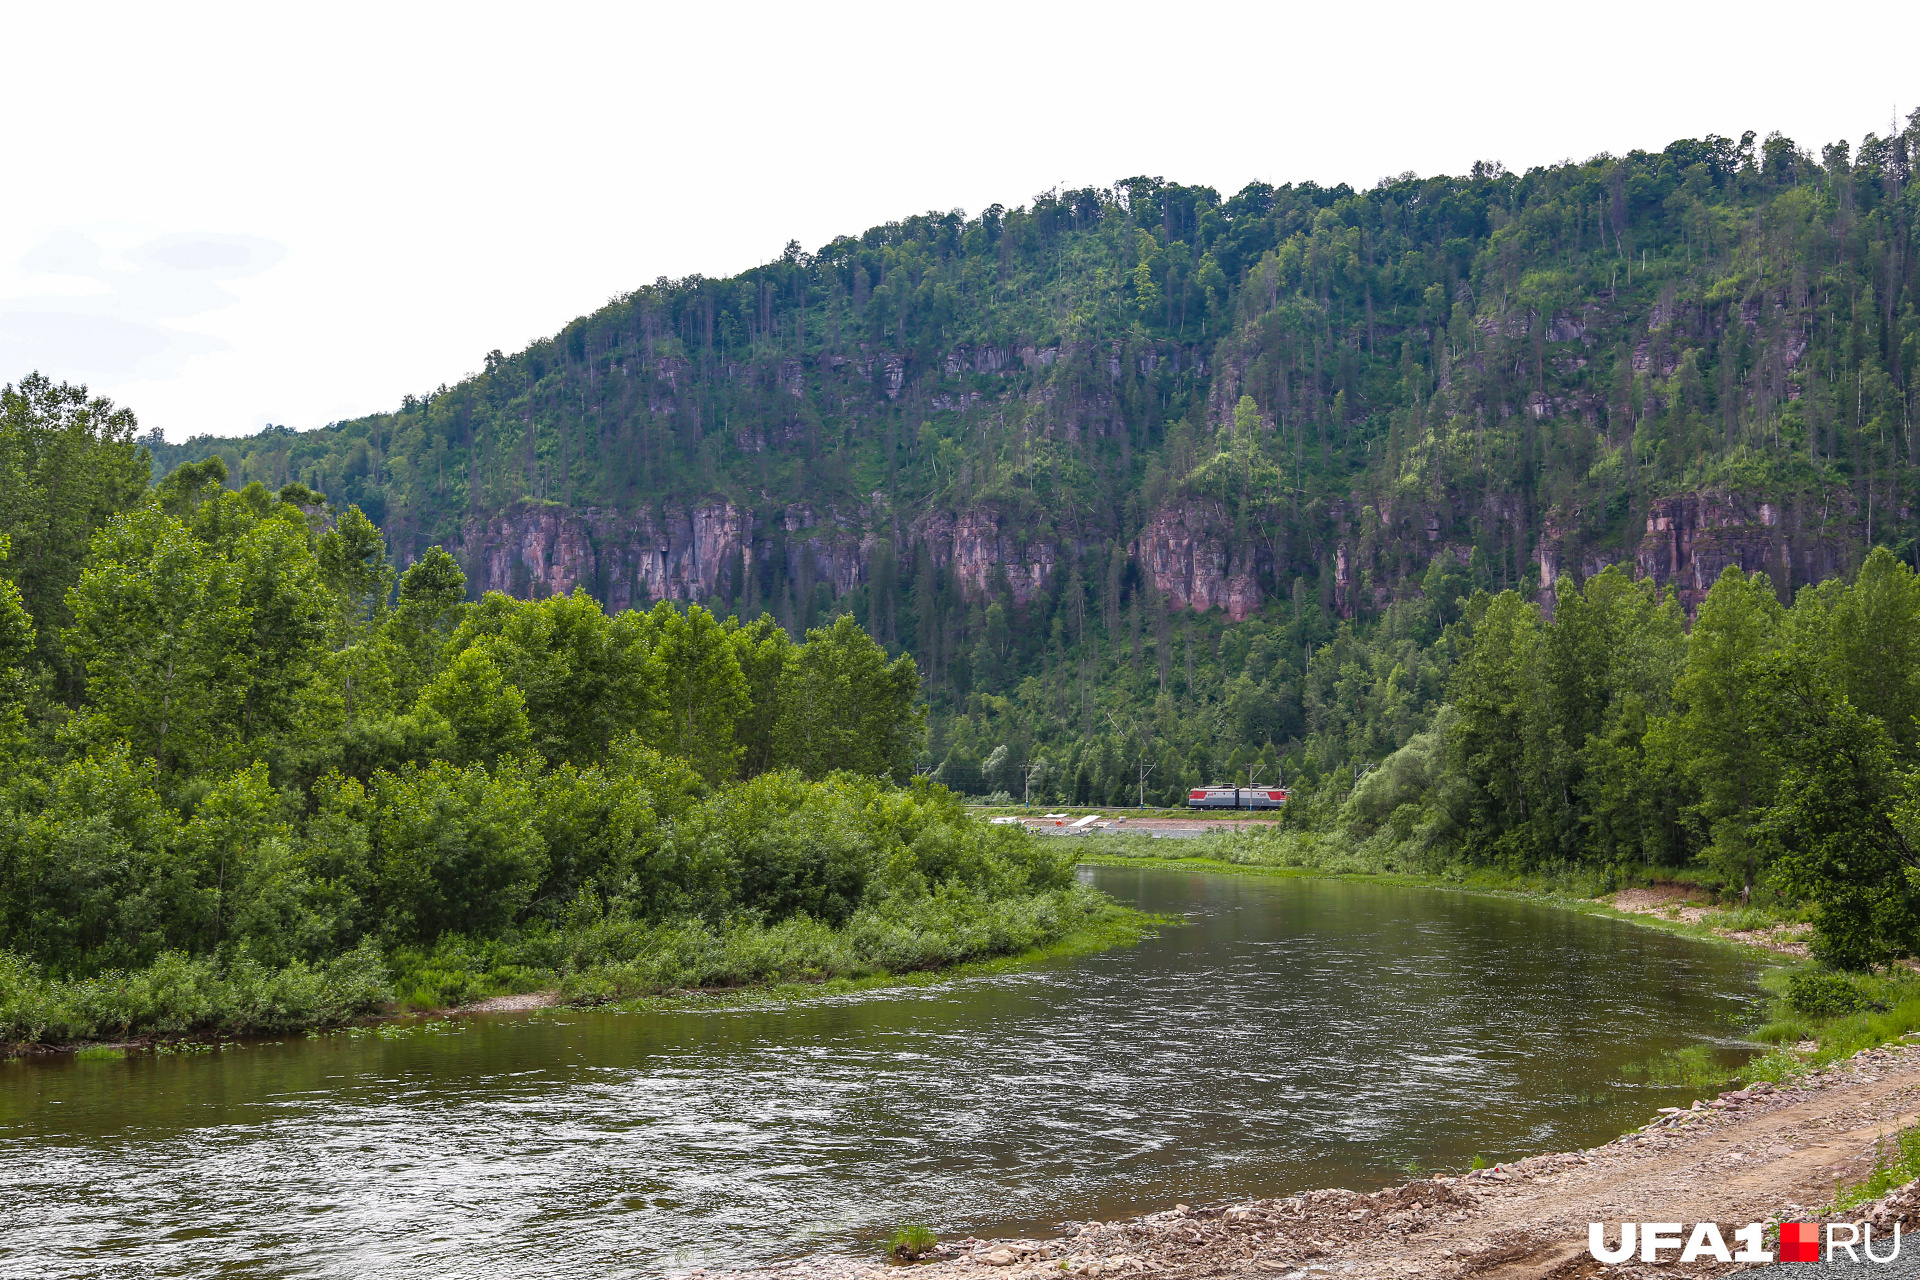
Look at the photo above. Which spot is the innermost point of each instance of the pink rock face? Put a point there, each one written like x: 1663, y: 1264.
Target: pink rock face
x: 1243, y: 596
x: 1187, y: 550
x: 549, y: 545
x: 1184, y: 550
x: 1692, y: 538
x: 975, y: 543
x: 632, y: 561
x: 629, y: 561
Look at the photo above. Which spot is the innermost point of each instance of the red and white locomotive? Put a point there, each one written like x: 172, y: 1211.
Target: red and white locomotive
x: 1236, y: 797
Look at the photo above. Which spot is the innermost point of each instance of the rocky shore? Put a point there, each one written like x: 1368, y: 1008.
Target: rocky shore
x: 1764, y: 1154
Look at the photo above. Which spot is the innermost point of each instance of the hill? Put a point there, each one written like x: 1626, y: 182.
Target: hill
x: 1149, y: 479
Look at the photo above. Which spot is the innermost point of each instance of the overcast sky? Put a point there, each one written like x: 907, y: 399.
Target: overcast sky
x: 230, y: 216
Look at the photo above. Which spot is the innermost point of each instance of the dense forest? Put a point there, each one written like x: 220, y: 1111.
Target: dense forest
x: 1774, y: 748
x: 254, y: 775
x: 1521, y: 519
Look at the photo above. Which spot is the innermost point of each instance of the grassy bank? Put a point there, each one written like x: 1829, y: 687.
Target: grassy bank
x: 1122, y: 928
x: 620, y: 959
x: 608, y: 959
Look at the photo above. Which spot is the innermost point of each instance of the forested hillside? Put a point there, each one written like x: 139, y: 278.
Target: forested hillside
x: 1151, y: 480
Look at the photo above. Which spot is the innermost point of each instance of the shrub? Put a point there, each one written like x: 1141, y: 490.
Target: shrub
x: 179, y: 994
x: 1693, y: 1066
x: 458, y: 848
x: 1784, y: 1031
x: 1822, y: 994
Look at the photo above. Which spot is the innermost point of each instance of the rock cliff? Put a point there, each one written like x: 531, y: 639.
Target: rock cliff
x: 626, y: 560
x: 1187, y: 550
x: 980, y: 545
x: 1692, y: 538
x: 533, y: 550
x: 1189, y: 553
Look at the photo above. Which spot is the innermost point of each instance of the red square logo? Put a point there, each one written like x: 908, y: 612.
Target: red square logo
x: 1799, y: 1242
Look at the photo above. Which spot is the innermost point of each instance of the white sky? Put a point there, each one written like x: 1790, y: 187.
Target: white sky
x: 225, y: 216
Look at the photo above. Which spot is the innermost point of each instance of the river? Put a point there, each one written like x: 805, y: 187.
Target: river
x: 1298, y: 1033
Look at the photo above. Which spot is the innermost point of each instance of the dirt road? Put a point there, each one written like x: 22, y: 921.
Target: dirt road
x: 1766, y: 1155
x: 1120, y: 823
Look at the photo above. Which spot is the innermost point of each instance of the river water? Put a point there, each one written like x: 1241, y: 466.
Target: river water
x: 1297, y: 1033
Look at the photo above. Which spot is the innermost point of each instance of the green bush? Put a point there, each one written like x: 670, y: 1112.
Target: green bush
x: 619, y: 960
x: 1693, y: 1066
x: 1823, y: 994
x: 608, y: 954
x: 178, y: 994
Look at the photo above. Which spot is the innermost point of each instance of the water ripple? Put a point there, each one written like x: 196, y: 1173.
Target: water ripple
x: 1298, y: 1033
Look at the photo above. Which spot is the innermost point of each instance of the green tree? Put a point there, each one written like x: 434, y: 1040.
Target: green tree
x: 847, y: 707
x: 486, y: 715
x: 197, y: 640
x: 598, y: 826
x: 353, y: 562
x: 68, y: 464
x: 91, y: 871
x: 1712, y: 736
x: 1493, y: 746
x: 458, y: 849
x: 1873, y: 651
x: 586, y: 679
x: 765, y: 653
x: 795, y: 849
x: 163, y: 635
x: 16, y: 646
x: 188, y: 487
x: 1445, y: 584
x: 702, y: 690
x: 433, y: 595
x: 336, y: 851
x: 1844, y: 816
x: 352, y: 559
x: 224, y: 844
x: 1631, y: 804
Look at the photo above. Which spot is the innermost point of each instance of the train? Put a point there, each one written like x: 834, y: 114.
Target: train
x: 1236, y: 797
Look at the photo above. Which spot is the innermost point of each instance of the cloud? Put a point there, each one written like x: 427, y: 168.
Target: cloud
x: 93, y: 348
x: 83, y: 312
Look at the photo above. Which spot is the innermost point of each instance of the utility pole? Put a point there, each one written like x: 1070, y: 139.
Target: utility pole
x: 1026, y: 795
x: 1145, y: 768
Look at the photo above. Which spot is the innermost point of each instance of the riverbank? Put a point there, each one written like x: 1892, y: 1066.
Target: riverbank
x: 181, y: 1001
x: 1767, y: 1154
